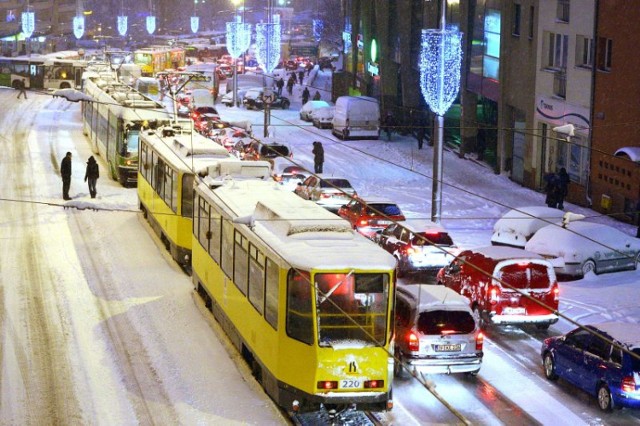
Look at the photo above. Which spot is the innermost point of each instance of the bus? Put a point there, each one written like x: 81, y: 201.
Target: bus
x: 113, y: 122
x: 41, y: 72
x: 172, y: 158
x: 305, y: 299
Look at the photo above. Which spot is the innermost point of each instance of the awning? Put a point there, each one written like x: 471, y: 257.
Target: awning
x: 632, y: 152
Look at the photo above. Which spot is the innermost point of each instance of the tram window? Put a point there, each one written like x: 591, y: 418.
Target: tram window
x: 226, y: 251
x: 143, y: 163
x: 256, y: 278
x: 241, y: 263
x: 171, y: 189
x: 186, y: 196
x: 202, y: 223
x: 299, y: 312
x: 158, y: 174
x: 215, y: 222
x: 272, y: 291
x: 369, y: 283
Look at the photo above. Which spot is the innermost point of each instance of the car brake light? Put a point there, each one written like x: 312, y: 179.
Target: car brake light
x: 494, y: 295
x: 628, y: 384
x: 479, y: 341
x: 414, y: 342
x: 327, y: 384
x: 410, y: 250
x: 556, y: 292
x: 363, y: 222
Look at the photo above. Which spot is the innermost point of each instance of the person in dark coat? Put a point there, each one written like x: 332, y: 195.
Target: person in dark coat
x: 551, y: 189
x: 305, y: 95
x: 318, y: 157
x: 388, y: 124
x: 91, y: 175
x: 65, y: 172
x: 22, y: 87
x: 290, y: 84
x: 563, y: 187
x: 316, y: 96
x: 300, y: 76
x: 280, y: 85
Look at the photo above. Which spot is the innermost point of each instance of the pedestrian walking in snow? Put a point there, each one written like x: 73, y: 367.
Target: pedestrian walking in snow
x: 305, y: 95
x: 563, y: 187
x: 552, y: 190
x: 290, y: 84
x: 22, y: 87
x: 91, y: 175
x: 280, y: 85
x: 318, y: 157
x: 316, y: 96
x: 65, y: 172
x: 300, y: 76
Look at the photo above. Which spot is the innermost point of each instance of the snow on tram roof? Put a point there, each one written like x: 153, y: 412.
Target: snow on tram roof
x: 305, y: 234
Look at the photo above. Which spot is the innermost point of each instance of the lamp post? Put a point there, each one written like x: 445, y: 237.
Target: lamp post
x: 440, y: 61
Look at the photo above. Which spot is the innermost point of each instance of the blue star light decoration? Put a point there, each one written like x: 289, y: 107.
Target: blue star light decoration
x: 268, y: 44
x: 78, y: 26
x: 238, y: 37
x: 195, y: 24
x: 122, y: 25
x: 28, y: 23
x: 151, y: 24
x: 318, y: 28
x: 440, y: 62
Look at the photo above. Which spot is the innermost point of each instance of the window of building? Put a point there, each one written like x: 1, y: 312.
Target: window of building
x: 532, y: 15
x: 491, y: 59
x: 556, y: 50
x: 572, y: 156
x: 562, y: 12
x: 584, y: 51
x: 517, y: 15
x: 560, y: 84
x: 605, y: 47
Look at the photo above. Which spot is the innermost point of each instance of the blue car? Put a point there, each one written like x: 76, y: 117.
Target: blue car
x: 586, y: 358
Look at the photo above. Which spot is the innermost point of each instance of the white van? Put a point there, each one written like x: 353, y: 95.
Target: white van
x: 356, y: 117
x: 202, y: 98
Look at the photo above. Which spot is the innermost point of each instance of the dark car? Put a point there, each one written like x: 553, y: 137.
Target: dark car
x: 371, y: 215
x: 419, y: 245
x: 586, y: 358
x: 278, y: 102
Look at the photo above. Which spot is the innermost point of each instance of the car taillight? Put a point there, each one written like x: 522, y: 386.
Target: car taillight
x: 479, y: 341
x: 277, y: 178
x: 628, y: 384
x: 325, y: 195
x: 556, y: 292
x: 363, y: 222
x: 327, y: 384
x: 410, y: 250
x: 414, y: 342
x: 494, y: 295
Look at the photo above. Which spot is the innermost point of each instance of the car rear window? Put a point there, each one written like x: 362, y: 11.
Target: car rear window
x: 428, y: 238
x: 330, y: 183
x: 270, y: 151
x: 635, y: 362
x: 525, y: 275
x: 446, y: 321
x: 385, y: 209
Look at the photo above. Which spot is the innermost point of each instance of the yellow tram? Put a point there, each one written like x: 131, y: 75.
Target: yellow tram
x: 305, y: 299
x: 170, y: 158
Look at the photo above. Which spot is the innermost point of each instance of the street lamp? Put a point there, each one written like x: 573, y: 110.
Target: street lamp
x: 238, y: 40
x: 440, y: 62
x: 268, y: 55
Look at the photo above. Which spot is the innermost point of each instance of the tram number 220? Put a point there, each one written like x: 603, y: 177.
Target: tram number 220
x: 350, y: 384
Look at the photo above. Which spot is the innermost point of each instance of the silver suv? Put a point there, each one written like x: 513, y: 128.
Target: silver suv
x: 435, y: 332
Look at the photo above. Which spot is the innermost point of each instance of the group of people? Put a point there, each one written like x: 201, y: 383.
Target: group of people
x: 556, y: 188
x: 91, y: 175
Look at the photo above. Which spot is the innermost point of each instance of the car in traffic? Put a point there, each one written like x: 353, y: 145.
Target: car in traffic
x: 328, y: 192
x: 288, y: 174
x: 279, y: 102
x: 370, y: 215
x: 250, y: 97
x: 600, y: 359
x: 227, y: 98
x: 435, y: 332
x: 322, y: 117
x: 308, y: 108
x: 505, y: 285
x: 419, y: 246
x: 581, y: 247
x: 518, y: 225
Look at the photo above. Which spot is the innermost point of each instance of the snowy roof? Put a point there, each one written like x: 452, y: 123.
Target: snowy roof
x: 304, y: 234
x: 422, y: 225
x: 504, y: 253
x: 434, y: 296
x: 625, y: 333
x: 527, y: 220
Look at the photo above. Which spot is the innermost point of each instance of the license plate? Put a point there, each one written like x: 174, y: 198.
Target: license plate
x: 514, y: 311
x: 383, y: 222
x: 448, y: 348
x: 350, y: 384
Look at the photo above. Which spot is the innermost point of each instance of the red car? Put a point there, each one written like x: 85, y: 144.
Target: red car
x: 505, y: 285
x: 371, y: 216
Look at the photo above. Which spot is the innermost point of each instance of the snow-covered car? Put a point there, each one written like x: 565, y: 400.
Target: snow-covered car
x: 250, y: 97
x: 308, y: 108
x: 607, y: 369
x: 279, y: 102
x: 227, y: 98
x: 288, y: 174
x: 230, y: 136
x: 517, y: 226
x: 581, y: 247
x: 323, y: 117
x: 419, y: 245
x: 436, y: 331
x: 328, y: 192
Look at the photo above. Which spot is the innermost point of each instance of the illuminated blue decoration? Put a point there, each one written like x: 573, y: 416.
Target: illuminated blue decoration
x: 195, y: 24
x: 440, y: 62
x: 151, y: 24
x: 78, y: 26
x: 28, y: 23
x: 318, y: 28
x: 238, y: 37
x: 268, y: 44
x: 122, y: 25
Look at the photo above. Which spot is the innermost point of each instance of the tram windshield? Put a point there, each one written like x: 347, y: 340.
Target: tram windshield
x: 352, y: 308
